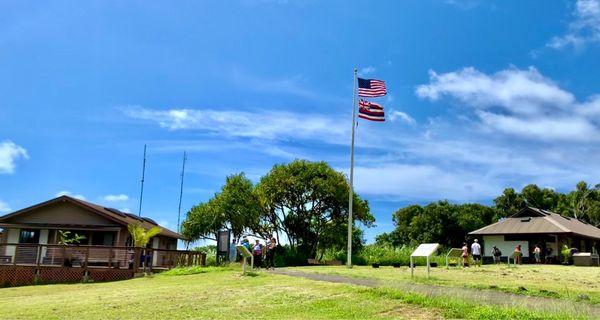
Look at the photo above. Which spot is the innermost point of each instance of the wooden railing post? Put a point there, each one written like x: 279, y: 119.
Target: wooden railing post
x: 64, y: 255
x: 15, y: 256
x: 39, y: 255
x: 110, y: 253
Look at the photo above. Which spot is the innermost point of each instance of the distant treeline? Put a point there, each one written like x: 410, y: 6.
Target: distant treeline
x: 449, y: 224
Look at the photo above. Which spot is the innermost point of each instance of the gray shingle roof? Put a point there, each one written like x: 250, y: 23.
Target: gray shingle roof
x: 533, y: 220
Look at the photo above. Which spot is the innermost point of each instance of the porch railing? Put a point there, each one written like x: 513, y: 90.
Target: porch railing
x: 86, y: 256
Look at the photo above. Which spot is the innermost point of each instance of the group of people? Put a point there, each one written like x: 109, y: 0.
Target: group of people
x: 264, y: 255
x: 496, y: 254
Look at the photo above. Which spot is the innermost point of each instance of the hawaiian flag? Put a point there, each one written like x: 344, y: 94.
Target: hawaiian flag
x: 371, y: 88
x: 370, y: 111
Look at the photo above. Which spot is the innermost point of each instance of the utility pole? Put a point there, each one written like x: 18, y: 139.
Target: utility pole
x: 181, y: 193
x: 142, y: 187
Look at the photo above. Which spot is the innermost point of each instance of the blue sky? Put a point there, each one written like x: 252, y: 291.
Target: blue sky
x: 483, y: 95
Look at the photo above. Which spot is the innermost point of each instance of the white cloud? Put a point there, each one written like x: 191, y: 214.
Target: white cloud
x: 399, y: 115
x: 519, y: 102
x: 9, y: 152
x: 271, y: 125
x: 519, y: 91
x: 116, y: 197
x: 585, y: 29
x: 70, y: 194
x: 4, y: 208
x: 126, y: 210
x: 422, y: 182
x: 367, y: 70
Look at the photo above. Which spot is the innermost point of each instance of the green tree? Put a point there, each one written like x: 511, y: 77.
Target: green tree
x: 509, y: 203
x: 236, y: 207
x: 306, y: 201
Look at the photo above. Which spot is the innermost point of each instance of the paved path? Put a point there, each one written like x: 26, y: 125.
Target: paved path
x: 493, y: 297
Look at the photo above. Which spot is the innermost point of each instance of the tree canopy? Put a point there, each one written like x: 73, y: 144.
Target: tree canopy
x: 307, y: 202
x: 449, y: 224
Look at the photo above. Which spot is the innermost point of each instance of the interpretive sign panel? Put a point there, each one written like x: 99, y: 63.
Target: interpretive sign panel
x: 425, y: 250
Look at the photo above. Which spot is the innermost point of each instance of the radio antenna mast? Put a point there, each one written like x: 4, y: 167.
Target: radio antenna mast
x: 142, y: 187
x: 181, y: 193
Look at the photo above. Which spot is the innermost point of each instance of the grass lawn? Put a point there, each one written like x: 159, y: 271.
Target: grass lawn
x: 222, y: 293
x: 565, y: 282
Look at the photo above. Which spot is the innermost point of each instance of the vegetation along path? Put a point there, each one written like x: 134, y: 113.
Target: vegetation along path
x: 488, y: 297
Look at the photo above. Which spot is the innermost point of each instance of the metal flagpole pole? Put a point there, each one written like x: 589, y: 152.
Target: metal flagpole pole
x: 181, y: 193
x: 142, y: 187
x: 351, y: 190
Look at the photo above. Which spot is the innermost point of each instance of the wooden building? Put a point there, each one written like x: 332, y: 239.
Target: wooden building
x: 531, y: 227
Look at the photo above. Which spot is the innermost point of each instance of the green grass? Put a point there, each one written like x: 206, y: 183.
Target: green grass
x: 554, y: 281
x: 222, y: 293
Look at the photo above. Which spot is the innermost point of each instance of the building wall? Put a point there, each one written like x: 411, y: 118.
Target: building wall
x: 507, y: 247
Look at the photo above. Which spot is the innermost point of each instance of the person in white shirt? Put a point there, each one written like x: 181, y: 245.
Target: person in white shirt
x: 476, y: 252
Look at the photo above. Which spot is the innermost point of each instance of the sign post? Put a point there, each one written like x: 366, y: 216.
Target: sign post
x: 223, y: 239
x: 245, y: 255
x: 423, y: 250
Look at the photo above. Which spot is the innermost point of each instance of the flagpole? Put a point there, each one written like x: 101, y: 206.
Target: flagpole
x: 351, y: 190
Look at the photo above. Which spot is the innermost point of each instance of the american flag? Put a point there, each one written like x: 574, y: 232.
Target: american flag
x: 371, y: 88
x: 370, y: 111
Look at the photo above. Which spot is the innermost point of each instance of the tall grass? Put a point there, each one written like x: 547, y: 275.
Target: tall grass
x: 383, y: 255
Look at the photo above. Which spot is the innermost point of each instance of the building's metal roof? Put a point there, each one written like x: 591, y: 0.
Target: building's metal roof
x: 532, y: 220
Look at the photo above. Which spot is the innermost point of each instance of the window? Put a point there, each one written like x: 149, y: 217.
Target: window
x: 29, y: 236
x: 103, y: 238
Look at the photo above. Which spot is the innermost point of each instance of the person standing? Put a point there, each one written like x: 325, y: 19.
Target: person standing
x: 517, y: 254
x: 257, y: 252
x: 271, y: 245
x: 465, y: 255
x: 537, y: 251
x: 476, y: 252
x: 496, y: 253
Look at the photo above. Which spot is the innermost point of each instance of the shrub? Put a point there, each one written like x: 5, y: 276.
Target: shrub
x: 386, y: 255
x: 211, y: 254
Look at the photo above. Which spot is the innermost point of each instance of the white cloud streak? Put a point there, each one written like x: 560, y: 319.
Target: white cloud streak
x: 9, y: 153
x: 270, y: 125
x: 585, y: 28
x: 401, y: 116
x: 367, y: 70
x: 522, y: 103
x: 116, y: 197
x: 4, y: 207
x: 70, y: 194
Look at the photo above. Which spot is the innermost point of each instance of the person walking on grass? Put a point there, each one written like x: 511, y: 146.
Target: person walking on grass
x: 476, y: 252
x: 465, y: 255
x: 257, y: 252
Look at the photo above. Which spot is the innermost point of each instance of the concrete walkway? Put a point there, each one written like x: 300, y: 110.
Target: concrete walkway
x: 486, y: 297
